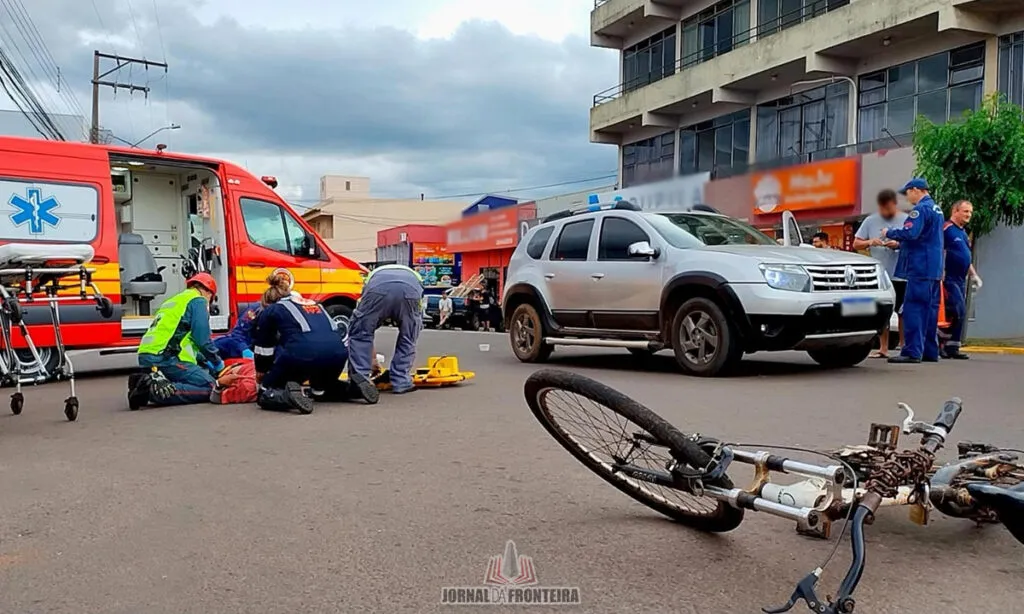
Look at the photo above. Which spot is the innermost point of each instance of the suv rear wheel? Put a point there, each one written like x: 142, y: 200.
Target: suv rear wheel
x: 704, y: 342
x: 842, y: 356
x: 526, y: 335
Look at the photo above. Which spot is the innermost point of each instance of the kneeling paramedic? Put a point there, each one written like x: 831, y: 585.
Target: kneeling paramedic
x: 170, y: 350
x: 296, y: 340
x: 391, y: 292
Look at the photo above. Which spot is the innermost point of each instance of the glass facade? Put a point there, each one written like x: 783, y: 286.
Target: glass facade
x: 648, y: 160
x: 1011, y: 67
x: 777, y: 15
x: 940, y: 87
x: 804, y: 123
x: 649, y: 60
x: 714, y: 31
x: 721, y: 143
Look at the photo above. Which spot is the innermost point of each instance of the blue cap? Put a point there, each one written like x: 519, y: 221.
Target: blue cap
x: 918, y: 183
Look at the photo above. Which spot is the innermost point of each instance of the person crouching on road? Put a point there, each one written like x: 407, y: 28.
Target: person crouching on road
x: 391, y: 292
x: 238, y: 342
x: 170, y: 350
x: 295, y: 340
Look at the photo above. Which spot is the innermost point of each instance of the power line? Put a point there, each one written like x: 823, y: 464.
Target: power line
x: 42, y: 53
x: 14, y: 75
x: 135, y: 26
x: 28, y: 98
x: 97, y: 81
x: 610, y: 175
x: 99, y: 17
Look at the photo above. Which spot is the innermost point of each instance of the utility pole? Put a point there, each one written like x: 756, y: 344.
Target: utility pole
x: 97, y: 76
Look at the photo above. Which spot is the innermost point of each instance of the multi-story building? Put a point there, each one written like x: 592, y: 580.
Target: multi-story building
x: 730, y: 85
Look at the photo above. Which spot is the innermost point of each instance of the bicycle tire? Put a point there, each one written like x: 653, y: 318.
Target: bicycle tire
x: 724, y: 518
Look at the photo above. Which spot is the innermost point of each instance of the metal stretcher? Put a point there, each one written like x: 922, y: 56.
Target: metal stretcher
x: 31, y: 274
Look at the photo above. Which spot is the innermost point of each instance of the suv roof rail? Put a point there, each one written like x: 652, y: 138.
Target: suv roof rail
x: 621, y: 205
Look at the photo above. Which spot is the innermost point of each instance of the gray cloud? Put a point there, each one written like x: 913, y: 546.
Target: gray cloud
x: 483, y: 110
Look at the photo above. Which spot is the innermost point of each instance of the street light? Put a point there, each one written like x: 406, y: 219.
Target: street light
x: 153, y: 133
x: 851, y: 137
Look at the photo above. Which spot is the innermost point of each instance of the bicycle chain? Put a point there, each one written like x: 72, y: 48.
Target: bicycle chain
x: 902, y: 468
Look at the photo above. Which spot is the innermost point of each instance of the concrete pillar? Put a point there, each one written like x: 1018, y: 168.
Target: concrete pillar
x: 751, y: 157
x: 753, y: 19
x: 991, y: 83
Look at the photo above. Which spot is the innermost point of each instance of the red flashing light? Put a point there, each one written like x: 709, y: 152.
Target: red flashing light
x: 270, y: 180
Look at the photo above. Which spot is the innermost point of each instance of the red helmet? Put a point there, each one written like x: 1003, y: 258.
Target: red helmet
x: 202, y: 279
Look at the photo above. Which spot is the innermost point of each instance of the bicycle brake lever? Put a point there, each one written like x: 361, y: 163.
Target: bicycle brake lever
x: 804, y: 590
x: 911, y: 426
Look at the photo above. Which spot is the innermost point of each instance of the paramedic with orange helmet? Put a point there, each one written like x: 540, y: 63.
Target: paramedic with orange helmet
x: 171, y: 349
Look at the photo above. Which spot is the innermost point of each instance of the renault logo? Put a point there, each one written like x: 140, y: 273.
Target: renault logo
x: 851, y: 277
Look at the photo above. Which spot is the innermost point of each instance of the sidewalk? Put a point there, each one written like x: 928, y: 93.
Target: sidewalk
x: 1014, y: 347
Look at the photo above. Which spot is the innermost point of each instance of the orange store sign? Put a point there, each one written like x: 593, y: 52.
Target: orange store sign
x: 497, y: 229
x: 819, y: 185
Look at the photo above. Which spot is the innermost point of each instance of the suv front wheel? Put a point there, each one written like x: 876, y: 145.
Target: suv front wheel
x: 704, y: 342
x: 526, y: 335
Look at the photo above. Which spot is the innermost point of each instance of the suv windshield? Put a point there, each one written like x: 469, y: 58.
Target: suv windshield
x: 685, y: 230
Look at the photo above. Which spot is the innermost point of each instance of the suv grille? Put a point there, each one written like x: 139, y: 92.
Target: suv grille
x: 832, y: 277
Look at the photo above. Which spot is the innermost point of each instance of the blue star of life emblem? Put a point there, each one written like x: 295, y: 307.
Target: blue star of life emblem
x: 34, y: 210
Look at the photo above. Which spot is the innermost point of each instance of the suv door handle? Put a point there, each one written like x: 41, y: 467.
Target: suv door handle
x: 549, y: 275
x: 597, y: 276
x: 257, y: 265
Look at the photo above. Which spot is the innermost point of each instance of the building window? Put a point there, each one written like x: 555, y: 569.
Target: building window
x: 714, y: 31
x: 1011, y: 67
x: 777, y: 15
x: 649, y: 60
x: 348, y: 186
x: 940, y: 87
x: 723, y: 142
x: 805, y: 123
x: 648, y: 160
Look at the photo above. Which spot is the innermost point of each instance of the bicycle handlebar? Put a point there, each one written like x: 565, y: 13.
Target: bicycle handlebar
x: 906, y: 466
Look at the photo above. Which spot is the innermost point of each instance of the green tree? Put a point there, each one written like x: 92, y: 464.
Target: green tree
x: 980, y: 158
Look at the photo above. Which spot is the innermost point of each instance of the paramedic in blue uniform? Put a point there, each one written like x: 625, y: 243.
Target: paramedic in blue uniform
x: 921, y: 250
x: 958, y: 267
x: 238, y: 342
x: 295, y: 341
x: 392, y: 292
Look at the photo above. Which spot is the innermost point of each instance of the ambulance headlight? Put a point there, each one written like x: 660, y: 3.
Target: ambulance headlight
x: 786, y: 277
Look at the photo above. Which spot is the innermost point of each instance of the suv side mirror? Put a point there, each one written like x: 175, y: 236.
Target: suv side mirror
x: 642, y: 249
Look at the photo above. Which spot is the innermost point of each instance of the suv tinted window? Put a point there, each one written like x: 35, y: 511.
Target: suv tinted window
x: 574, y: 241
x: 535, y: 249
x: 617, y: 234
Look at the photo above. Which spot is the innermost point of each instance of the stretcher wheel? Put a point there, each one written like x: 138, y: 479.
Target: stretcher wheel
x: 17, y: 403
x: 13, y: 308
x: 71, y: 408
x: 105, y: 306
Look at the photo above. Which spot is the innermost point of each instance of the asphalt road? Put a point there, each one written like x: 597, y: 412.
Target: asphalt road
x: 211, y: 509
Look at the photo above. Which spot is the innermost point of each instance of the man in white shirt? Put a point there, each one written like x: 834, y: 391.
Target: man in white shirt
x: 886, y: 252
x: 445, y: 306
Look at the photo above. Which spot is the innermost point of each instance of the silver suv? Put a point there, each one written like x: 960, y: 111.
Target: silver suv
x: 709, y: 287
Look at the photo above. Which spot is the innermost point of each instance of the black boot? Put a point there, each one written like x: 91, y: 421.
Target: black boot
x: 289, y: 398
x: 138, y: 391
x: 363, y: 388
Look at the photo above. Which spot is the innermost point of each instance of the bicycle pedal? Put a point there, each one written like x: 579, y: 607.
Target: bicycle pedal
x: 883, y: 436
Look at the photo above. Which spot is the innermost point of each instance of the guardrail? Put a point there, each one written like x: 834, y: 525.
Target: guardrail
x: 719, y: 47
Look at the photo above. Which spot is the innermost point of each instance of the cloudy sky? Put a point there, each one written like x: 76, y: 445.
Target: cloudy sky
x: 441, y: 97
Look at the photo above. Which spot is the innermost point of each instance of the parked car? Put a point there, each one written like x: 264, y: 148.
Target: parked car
x: 432, y: 315
x: 706, y: 286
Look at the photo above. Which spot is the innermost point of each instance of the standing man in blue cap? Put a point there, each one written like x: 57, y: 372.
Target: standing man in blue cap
x: 921, y: 247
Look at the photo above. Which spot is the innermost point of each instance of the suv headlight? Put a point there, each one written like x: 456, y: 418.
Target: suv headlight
x: 884, y: 283
x: 786, y: 277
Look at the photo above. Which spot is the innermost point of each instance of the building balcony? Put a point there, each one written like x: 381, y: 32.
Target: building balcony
x: 829, y: 44
x: 612, y: 20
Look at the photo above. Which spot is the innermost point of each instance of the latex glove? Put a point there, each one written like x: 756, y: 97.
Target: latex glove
x: 977, y: 282
x: 216, y: 367
x: 248, y: 354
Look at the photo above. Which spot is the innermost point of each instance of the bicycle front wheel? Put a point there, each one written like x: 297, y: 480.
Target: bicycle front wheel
x: 605, y: 429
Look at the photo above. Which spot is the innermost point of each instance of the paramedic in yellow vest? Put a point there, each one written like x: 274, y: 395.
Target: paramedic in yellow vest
x: 177, y: 353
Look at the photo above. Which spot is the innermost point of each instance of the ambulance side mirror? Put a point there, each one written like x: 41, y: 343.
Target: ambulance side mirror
x: 310, y: 247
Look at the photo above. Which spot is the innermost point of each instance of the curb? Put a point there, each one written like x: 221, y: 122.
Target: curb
x: 1012, y: 351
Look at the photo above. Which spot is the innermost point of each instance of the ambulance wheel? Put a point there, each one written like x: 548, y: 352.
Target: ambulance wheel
x: 28, y: 365
x: 105, y: 307
x: 526, y: 335
x: 17, y: 403
x: 342, y: 316
x: 71, y: 409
